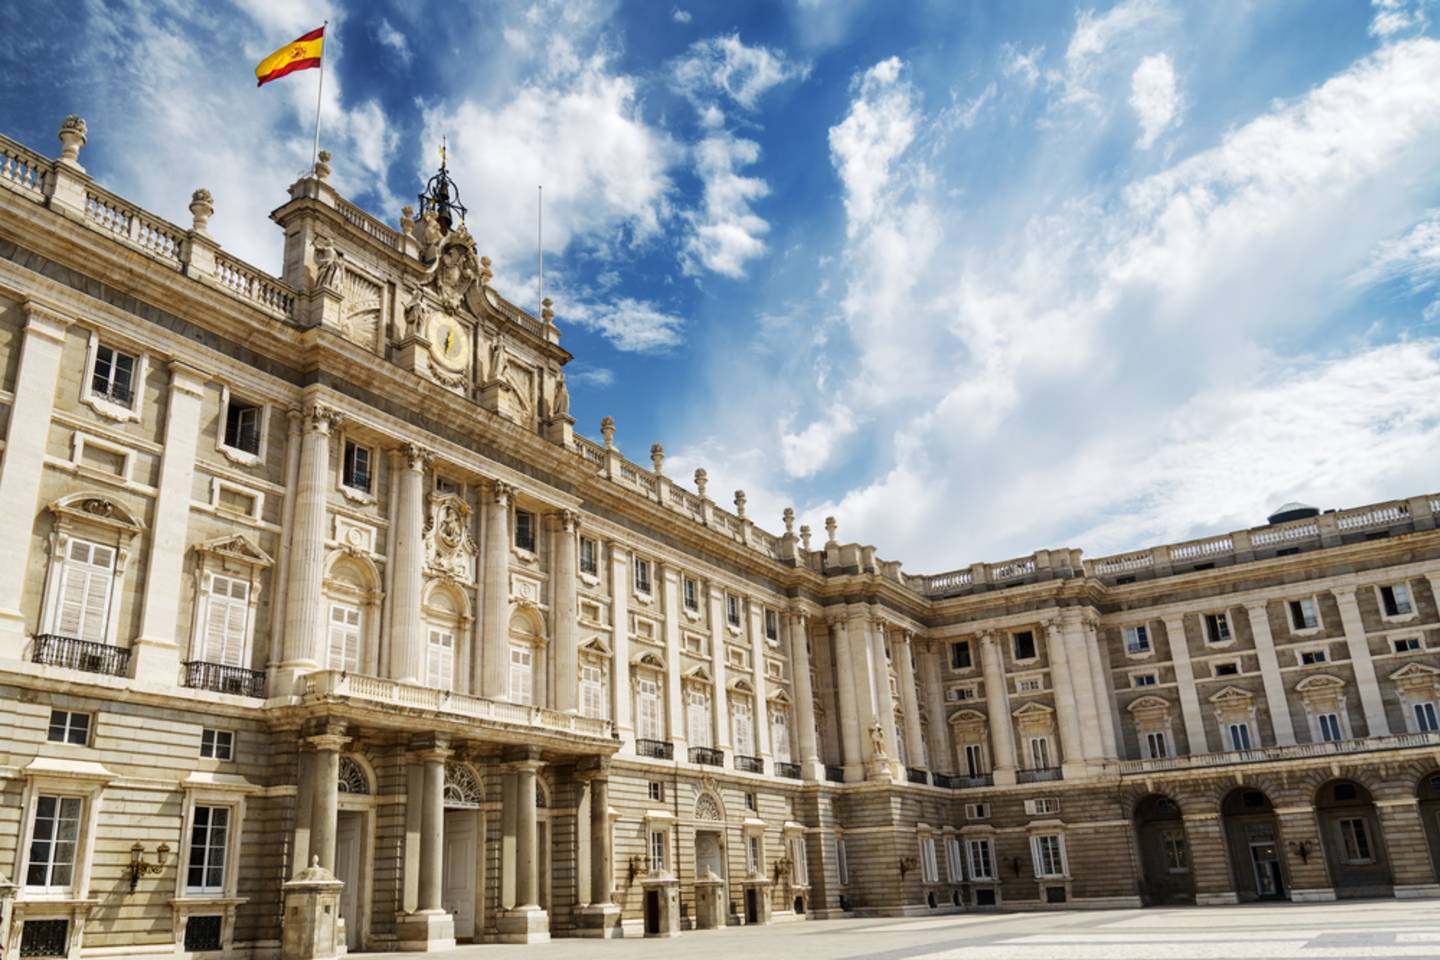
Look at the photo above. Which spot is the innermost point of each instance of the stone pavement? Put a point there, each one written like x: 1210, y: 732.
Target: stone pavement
x: 1370, y: 929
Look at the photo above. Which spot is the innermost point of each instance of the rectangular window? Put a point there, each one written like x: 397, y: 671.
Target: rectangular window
x: 977, y: 811
x: 842, y: 865
x: 1137, y: 639
x: 522, y: 674
x: 242, y: 426
x: 355, y: 467
x: 1312, y: 656
x: 1356, y: 840
x: 1239, y: 736
x: 1156, y: 745
x: 732, y: 609
x: 1228, y: 668
x: 754, y: 861
x: 960, y: 655
x: 752, y: 802
x: 780, y: 735
x: 656, y: 791
x: 697, y: 718
x: 975, y: 760
x: 85, y: 584
x: 1049, y: 854
x: 930, y: 869
x: 657, y: 850
x: 67, y: 726
x: 56, y: 836
x: 525, y: 530
x: 1176, y: 858
x: 960, y: 693
x: 772, y: 625
x: 1042, y: 806
x: 742, y: 730
x: 642, y: 575
x: 1143, y: 680
x: 1303, y: 615
x: 1425, y: 719
x: 953, y: 866
x: 592, y: 691
x: 589, y: 556
x: 440, y: 660
x: 1027, y: 685
x: 227, y: 618
x: 206, y: 871
x: 647, y: 713
x: 1396, y: 601
x: 1217, y: 628
x: 982, y: 864
x: 217, y: 744
x: 1329, y: 726
x: 1024, y: 642
x: 344, y: 638
x: 692, y: 594
x: 114, y: 375
x: 1407, y: 644
x: 799, y: 861
x: 1040, y: 753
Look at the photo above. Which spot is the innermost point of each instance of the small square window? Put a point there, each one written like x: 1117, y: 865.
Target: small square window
x: 1143, y: 680
x: 960, y: 655
x: 113, y: 376
x: 657, y: 791
x: 525, y: 530
x: 1303, y: 615
x: 242, y: 426
x: 1228, y: 668
x: 1407, y: 644
x: 1137, y: 639
x: 67, y: 726
x: 1217, y: 628
x: 1024, y: 645
x: 355, y: 468
x: 1396, y: 601
x: 589, y: 556
x: 1312, y: 656
x: 217, y: 744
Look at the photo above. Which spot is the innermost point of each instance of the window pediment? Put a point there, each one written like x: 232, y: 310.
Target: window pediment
x: 94, y: 510
x: 968, y: 717
x: 698, y: 675
x: 1232, y: 696
x: 648, y: 661
x: 238, y: 549
x: 596, y: 647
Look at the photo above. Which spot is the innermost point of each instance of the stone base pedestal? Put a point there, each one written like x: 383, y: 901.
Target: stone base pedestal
x: 881, y: 769
x: 424, y: 931
x: 709, y: 903
x: 561, y: 431
x: 524, y: 925
x: 310, y: 929
x: 1215, y: 899
x: 499, y: 397
x: 1004, y: 777
x: 662, y: 906
x: 288, y: 679
x: 598, y: 921
x: 413, y: 353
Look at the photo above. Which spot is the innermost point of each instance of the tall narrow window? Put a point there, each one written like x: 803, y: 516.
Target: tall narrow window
x: 227, y: 614
x: 697, y: 718
x: 89, y: 572
x: 1176, y: 860
x: 975, y: 760
x: 754, y: 854
x: 344, y: 638
x: 799, y: 861
x: 982, y: 864
x: 743, y: 732
x: 692, y: 594
x: 842, y: 864
x: 780, y: 734
x: 772, y: 625
x: 242, y: 426
x: 589, y: 556
x: 642, y: 575
x: 960, y: 655
x: 1329, y: 726
x: 522, y: 674
x: 1239, y: 736
x: 732, y: 610
x: 440, y: 659
x: 355, y: 468
x: 1024, y: 645
x: 1156, y: 745
x: 113, y: 376
x: 1303, y: 615
x: 657, y: 850
x: 206, y: 872
x: 592, y: 691
x: 1425, y: 719
x: 1049, y: 855
x: 525, y: 530
x: 929, y: 868
x: 647, y: 712
x: 952, y: 860
x: 51, y: 865
x: 1217, y: 628
x: 1356, y: 840
x: 1040, y: 753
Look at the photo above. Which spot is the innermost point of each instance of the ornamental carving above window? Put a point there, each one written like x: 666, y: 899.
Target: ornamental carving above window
x: 707, y: 809
x: 462, y: 788
x: 352, y: 777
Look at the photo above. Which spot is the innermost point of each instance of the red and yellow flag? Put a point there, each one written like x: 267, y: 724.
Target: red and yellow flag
x: 302, y: 54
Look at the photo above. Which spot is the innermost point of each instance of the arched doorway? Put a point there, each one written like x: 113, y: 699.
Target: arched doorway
x: 1350, y: 832
x: 1252, y: 835
x: 1165, y: 875
x: 353, y: 843
x: 462, y: 869
x: 1429, y: 793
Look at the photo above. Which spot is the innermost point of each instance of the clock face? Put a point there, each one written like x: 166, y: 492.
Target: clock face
x: 448, y: 342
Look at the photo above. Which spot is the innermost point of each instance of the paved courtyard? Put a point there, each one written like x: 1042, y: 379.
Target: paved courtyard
x: 1386, y: 928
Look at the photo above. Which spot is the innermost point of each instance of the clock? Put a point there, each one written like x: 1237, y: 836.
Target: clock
x: 449, y: 342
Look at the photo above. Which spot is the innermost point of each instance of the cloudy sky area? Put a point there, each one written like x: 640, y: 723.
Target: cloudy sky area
x: 975, y: 278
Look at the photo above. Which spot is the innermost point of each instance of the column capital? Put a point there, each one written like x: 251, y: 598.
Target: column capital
x: 568, y: 519
x: 1345, y: 594
x: 322, y: 419
x: 417, y: 458
x: 1053, y: 629
x: 186, y: 378
x: 46, y: 321
x: 502, y: 492
x: 592, y: 768
x: 1252, y: 606
x: 327, y: 741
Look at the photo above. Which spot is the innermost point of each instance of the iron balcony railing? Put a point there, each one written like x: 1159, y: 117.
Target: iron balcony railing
x: 57, y: 651
x: 834, y: 774
x: 789, y: 770
x: 1040, y: 775
x: 708, y: 756
x: 659, y: 749
x: 749, y: 764
x: 947, y: 780
x: 221, y: 678
x: 916, y: 775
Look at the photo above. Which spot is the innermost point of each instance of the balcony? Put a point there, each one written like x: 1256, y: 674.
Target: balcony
x: 916, y: 775
x: 57, y: 651
x: 954, y: 782
x: 749, y: 764
x: 219, y: 678
x: 707, y: 756
x: 1039, y: 775
x: 790, y: 771
x: 1298, y: 751
x: 658, y: 749
x: 834, y: 774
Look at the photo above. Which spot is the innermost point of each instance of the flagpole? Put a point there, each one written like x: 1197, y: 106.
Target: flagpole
x: 319, y: 92
x: 540, y: 243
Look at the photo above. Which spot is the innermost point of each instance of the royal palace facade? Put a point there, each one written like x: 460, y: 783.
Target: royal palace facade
x: 310, y: 575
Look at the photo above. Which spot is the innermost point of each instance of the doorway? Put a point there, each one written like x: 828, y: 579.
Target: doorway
x: 349, y: 856
x: 458, y: 890
x: 1252, y: 836
x: 652, y: 912
x: 1354, y: 846
x: 1165, y: 876
x: 1265, y: 862
x: 752, y: 906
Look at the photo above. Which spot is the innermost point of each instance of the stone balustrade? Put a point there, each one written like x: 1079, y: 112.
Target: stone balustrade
x: 23, y: 170
x: 1297, y: 751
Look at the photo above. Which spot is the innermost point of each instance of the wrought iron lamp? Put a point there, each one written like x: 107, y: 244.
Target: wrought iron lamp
x: 139, y: 867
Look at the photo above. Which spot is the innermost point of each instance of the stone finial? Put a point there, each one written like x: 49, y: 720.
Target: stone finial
x: 740, y: 503
x: 202, y: 206
x: 701, y: 478
x: 322, y: 165
x: 788, y: 516
x: 657, y: 457
x: 607, y: 430
x: 805, y: 536
x: 547, y: 311
x: 830, y: 527
x: 72, y: 138
x: 486, y: 274
x: 407, y: 220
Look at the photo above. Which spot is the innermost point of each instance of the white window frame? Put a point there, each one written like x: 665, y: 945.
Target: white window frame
x: 104, y: 405
x: 780, y: 732
x: 1236, y: 731
x: 216, y: 738
x: 1423, y: 716
x: 1157, y: 744
x: 346, y: 663
x: 534, y: 523
x: 1220, y: 617
x: 61, y: 802
x: 1329, y: 727
x: 90, y: 789
x: 799, y: 860
x: 212, y: 795
x: 647, y: 691
x: 929, y: 862
x: 954, y: 861
x: 239, y: 454
x: 980, y: 859
x: 81, y: 441
x: 1304, y: 629
x: 976, y: 759
x: 59, y: 573
x: 593, y: 572
x: 68, y: 728
x: 1215, y: 666
x: 234, y: 649
x: 592, y: 684
x: 1412, y: 644
x: 698, y: 722
x: 1409, y: 599
x: 441, y: 656
x: 977, y: 811
x: 641, y: 570
x: 1044, y: 856
x: 1040, y: 751
x: 1144, y: 679
x: 1322, y: 652
x: 208, y: 850
x: 1042, y: 806
x: 357, y: 494
x: 690, y: 594
x: 521, y: 657
x: 734, y: 614
x: 1138, y: 644
x: 742, y: 709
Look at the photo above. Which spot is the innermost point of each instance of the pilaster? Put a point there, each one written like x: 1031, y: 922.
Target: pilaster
x: 1067, y: 716
x: 407, y: 657
x: 495, y: 611
x: 1371, y: 700
x: 303, y: 643
x: 1270, y: 674
x: 798, y: 635
x: 849, y: 707
x: 942, y: 747
x: 997, y: 707
x: 620, y: 634
x: 1087, y: 701
x: 720, y: 707
x: 669, y: 577
x: 1195, y: 734
x: 756, y: 621
x: 564, y: 527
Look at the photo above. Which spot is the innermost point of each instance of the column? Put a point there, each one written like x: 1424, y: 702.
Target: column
x: 600, y: 917
x: 24, y: 462
x: 602, y: 856
x: 1185, y: 684
x: 997, y: 707
x: 525, y: 922
x: 798, y: 633
x: 407, y: 654
x: 720, y: 708
x: 325, y: 806
x: 849, y: 708
x: 432, y: 831
x: 942, y: 749
x: 1104, y: 692
x: 304, y: 643
x: 304, y: 803
x: 909, y: 706
x: 495, y: 614
x: 620, y: 635
x: 674, y: 703
x: 280, y: 575
x: 1067, y: 716
x: 1376, y: 723
x: 1270, y: 674
x: 565, y: 526
x: 157, y: 648
x: 1087, y: 703
x: 757, y: 678
x: 880, y: 678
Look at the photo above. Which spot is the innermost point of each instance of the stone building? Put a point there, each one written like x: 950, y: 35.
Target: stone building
x: 314, y: 569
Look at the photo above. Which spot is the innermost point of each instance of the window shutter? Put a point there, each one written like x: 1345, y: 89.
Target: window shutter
x: 344, y: 638
x: 85, y: 592
x: 440, y: 660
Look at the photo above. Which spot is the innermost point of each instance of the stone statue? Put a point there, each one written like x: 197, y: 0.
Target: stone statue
x: 560, y: 406
x: 430, y: 236
x: 499, y: 361
x: 412, y: 321
x: 327, y: 264
x: 877, y: 739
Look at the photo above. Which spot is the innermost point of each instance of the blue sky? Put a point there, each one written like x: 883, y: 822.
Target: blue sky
x: 976, y: 278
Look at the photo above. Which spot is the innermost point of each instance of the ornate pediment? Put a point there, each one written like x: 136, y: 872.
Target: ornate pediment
x: 1232, y: 695
x: 449, y: 548
x: 236, y: 548
x: 596, y: 647
x: 968, y: 716
x: 456, y: 276
x: 648, y: 660
x: 1149, y: 705
x: 1323, y: 681
x: 698, y: 674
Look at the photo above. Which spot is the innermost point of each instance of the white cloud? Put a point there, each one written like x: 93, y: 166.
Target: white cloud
x: 1097, y: 43
x: 727, y: 65
x: 1394, y: 17
x: 394, y: 39
x: 805, y: 452
x: 591, y: 376
x: 1024, y: 65
x: 1155, y: 98
x: 680, y: 16
x: 879, y: 127
x: 635, y: 326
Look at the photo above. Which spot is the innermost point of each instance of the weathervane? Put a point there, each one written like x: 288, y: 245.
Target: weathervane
x: 441, y: 196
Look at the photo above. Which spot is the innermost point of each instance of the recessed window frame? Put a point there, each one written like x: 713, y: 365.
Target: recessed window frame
x: 217, y: 744
x: 72, y: 727
x: 103, y: 402
x: 1395, y: 601
x: 235, y: 452
x: 589, y: 557
x: 1137, y: 641
x: 1300, y: 619
x: 961, y: 656
x: 1018, y: 652
x: 1218, y: 632
x: 523, y: 533
x: 642, y: 577
x: 351, y: 472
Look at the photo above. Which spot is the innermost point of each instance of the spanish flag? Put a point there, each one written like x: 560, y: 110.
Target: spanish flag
x: 302, y: 54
